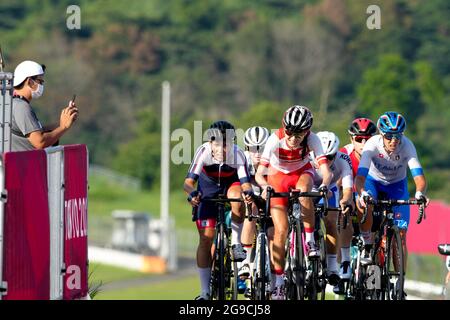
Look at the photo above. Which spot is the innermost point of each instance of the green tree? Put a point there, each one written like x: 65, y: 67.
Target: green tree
x: 389, y: 86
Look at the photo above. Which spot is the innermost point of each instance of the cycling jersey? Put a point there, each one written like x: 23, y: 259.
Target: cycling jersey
x: 350, y: 150
x: 215, y: 178
x: 252, y: 172
x: 286, y: 165
x: 287, y: 160
x: 341, y: 167
x: 385, y: 168
x: 205, y: 164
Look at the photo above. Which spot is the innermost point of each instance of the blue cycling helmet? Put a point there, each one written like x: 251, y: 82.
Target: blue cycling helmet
x: 391, y: 122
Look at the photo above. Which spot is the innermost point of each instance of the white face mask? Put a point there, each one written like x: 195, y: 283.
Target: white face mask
x: 38, y: 92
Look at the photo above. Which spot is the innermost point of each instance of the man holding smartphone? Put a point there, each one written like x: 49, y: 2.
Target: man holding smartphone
x: 27, y: 131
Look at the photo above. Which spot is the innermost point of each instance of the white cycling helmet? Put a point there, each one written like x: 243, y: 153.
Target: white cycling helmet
x: 256, y: 136
x: 329, y: 141
x: 27, y: 69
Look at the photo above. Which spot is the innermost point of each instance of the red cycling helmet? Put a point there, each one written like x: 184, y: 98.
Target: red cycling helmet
x: 362, y: 127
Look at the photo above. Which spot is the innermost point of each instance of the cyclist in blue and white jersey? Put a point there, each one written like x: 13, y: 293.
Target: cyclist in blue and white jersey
x: 340, y: 166
x: 383, y: 171
x: 219, y: 167
x: 255, y: 139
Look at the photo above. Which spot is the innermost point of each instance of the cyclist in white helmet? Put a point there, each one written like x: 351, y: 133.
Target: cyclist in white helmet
x: 255, y: 139
x: 340, y: 166
x: 284, y: 166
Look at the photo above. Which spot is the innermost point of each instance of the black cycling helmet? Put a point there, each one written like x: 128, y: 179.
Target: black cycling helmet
x: 297, y: 119
x: 221, y: 129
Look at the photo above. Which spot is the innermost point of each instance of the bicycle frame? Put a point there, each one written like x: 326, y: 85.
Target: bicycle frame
x: 221, y: 269
x: 384, y: 249
x: 293, y: 251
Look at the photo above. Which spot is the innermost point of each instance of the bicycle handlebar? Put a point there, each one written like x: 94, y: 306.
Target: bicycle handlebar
x: 396, y: 202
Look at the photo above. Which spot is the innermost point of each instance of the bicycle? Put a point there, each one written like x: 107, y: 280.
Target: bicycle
x: 298, y: 264
x: 260, y: 270
x: 224, y: 271
x: 385, y: 278
x: 322, y: 211
x: 444, y: 249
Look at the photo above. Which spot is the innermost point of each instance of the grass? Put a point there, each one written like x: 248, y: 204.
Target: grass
x: 181, y: 289
x: 106, y: 273
x: 106, y: 196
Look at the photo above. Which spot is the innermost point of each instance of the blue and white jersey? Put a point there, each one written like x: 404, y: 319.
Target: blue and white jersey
x: 385, y: 168
x: 204, y: 163
x: 341, y: 167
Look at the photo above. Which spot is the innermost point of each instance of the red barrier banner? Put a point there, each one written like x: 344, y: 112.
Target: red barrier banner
x: 26, y: 227
x: 424, y: 238
x: 75, y: 222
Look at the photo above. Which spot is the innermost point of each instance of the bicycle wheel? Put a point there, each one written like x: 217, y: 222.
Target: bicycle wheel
x: 297, y: 267
x: 231, y: 276
x: 312, y: 278
x: 219, y: 265
x: 322, y: 266
x: 260, y: 275
x: 289, y: 266
x: 394, y: 265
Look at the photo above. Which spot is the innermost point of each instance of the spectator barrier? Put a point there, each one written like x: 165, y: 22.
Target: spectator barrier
x: 43, y: 224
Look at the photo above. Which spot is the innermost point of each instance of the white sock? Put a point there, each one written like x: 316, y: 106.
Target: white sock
x: 345, y: 254
x: 367, y: 237
x: 205, y: 278
x: 332, y: 262
x: 249, y: 253
x: 279, y: 280
x: 272, y: 281
x: 236, y: 230
x: 309, y: 237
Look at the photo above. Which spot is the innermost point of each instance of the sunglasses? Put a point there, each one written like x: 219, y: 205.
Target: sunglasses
x: 256, y: 149
x: 390, y: 136
x: 361, y: 139
x: 296, y: 134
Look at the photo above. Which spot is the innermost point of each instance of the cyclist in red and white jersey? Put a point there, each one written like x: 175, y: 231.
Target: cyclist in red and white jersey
x: 360, y: 130
x: 219, y: 167
x: 285, y: 162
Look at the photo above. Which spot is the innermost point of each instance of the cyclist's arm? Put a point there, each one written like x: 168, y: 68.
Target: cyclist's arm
x: 263, y: 168
x: 326, y: 173
x: 189, y: 185
x: 360, y: 181
x: 416, y: 169
x: 347, y: 197
x: 363, y: 168
x: 260, y: 176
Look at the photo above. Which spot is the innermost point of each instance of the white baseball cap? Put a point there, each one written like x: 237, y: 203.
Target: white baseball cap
x: 26, y: 69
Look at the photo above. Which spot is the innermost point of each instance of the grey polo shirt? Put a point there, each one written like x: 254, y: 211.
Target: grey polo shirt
x: 24, y: 121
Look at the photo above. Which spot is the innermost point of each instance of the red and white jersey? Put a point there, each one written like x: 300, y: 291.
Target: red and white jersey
x: 350, y: 150
x: 287, y: 160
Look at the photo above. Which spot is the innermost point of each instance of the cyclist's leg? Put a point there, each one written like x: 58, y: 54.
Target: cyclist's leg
x: 237, y: 219
x: 278, y: 210
x: 247, y: 237
x: 366, y: 228
x: 399, y: 191
x: 331, y: 237
x: 205, y: 220
x: 345, y: 239
x: 206, y: 233
x: 305, y: 184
